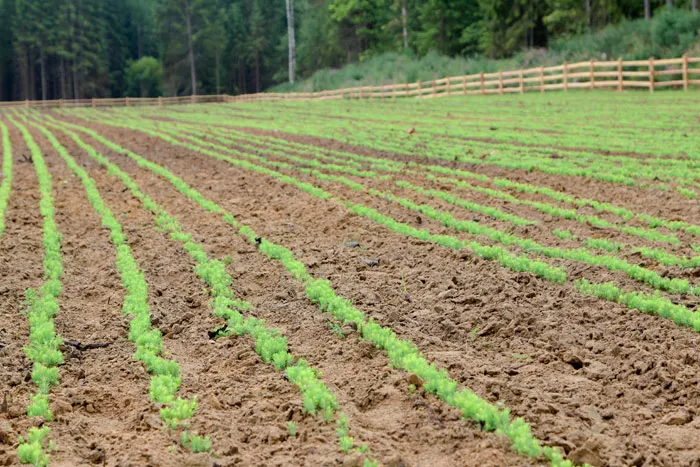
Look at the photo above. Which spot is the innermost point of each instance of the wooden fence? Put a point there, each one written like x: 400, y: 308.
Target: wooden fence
x: 648, y: 74
x: 117, y: 102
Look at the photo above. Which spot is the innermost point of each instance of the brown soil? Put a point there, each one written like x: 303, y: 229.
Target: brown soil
x: 608, y: 385
x: 666, y: 204
x: 20, y: 269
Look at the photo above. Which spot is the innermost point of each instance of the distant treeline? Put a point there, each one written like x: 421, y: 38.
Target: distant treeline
x: 112, y: 48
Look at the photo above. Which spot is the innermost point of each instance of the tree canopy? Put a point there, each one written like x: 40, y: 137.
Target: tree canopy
x: 112, y: 48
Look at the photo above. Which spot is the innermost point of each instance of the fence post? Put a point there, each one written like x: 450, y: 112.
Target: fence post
x: 194, y: 99
x: 449, y: 87
x: 685, y: 71
x: 541, y: 79
x: 26, y: 103
x: 434, y: 88
x: 393, y: 90
x: 483, y: 88
x: 566, y: 77
x: 464, y: 84
x: 619, y: 75
x: 406, y: 93
x: 126, y: 102
x: 500, y: 82
x: 359, y: 97
x: 522, y: 83
x: 592, y: 78
x: 160, y: 101
x: 651, y: 74
x: 420, y: 88
x: 60, y: 103
x: 93, y: 103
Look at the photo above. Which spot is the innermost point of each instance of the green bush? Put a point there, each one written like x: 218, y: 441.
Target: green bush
x: 144, y: 77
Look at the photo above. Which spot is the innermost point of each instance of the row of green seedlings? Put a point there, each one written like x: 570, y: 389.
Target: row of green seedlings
x: 393, y: 166
x: 466, y: 123
x: 545, y: 208
x: 6, y: 184
x: 653, y: 304
x: 481, y: 125
x: 625, y: 167
x: 684, y: 170
x: 516, y: 159
x: 385, y: 138
x: 482, y: 209
x: 269, y: 344
x: 402, y: 353
x: 165, y: 373
x: 428, y: 126
x: 612, y: 263
x: 253, y: 157
x: 518, y: 263
x: 42, y: 305
x: 626, y: 214
x: 548, y: 209
x: 659, y: 255
x: 603, y: 207
x: 244, y: 140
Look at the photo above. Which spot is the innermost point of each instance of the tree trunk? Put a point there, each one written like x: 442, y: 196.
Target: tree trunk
x: 404, y: 23
x: 257, y: 72
x: 42, y: 64
x: 669, y: 3
x: 76, y: 93
x: 62, y: 78
x: 532, y: 24
x: 292, y: 41
x: 647, y: 9
x: 193, y: 71
x: 218, y: 73
x: 588, y: 13
x: 694, y: 5
x: 139, y: 41
x: 241, y: 77
x: 24, y: 72
x: 32, y: 76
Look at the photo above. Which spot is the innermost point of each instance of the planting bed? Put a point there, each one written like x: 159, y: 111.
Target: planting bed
x: 496, y: 281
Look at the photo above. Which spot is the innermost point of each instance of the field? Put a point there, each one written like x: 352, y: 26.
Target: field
x: 504, y: 280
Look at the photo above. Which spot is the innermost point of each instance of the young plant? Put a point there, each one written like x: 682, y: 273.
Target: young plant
x: 194, y: 442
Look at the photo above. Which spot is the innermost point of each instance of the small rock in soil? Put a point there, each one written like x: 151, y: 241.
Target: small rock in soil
x: 415, y: 380
x: 677, y: 418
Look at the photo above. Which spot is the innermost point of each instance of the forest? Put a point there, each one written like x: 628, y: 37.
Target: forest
x: 51, y: 49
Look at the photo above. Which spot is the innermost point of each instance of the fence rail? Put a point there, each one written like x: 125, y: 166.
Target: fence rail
x: 594, y: 74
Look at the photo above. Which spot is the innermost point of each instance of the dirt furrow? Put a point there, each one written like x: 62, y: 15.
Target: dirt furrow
x: 396, y: 424
x: 608, y: 384
x: 20, y: 269
x: 244, y: 403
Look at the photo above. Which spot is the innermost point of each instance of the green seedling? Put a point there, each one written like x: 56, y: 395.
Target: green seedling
x: 473, y: 333
x: 194, y: 442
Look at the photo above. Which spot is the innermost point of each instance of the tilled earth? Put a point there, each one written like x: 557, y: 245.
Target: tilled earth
x: 607, y: 385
